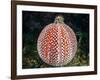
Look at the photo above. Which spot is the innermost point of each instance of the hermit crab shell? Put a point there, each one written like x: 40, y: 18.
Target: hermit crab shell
x: 57, y: 44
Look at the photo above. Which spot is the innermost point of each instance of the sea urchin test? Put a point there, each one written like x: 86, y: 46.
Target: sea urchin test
x: 57, y: 43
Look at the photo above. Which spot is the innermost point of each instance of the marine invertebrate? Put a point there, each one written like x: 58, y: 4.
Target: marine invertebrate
x: 57, y: 43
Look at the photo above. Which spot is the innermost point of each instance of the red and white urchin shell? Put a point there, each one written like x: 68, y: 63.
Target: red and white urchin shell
x: 57, y: 44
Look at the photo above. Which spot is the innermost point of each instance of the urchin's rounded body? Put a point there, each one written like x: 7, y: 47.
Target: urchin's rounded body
x: 57, y: 44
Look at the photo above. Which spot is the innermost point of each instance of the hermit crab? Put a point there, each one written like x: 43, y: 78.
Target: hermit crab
x: 57, y: 43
